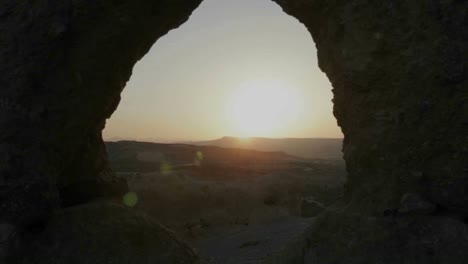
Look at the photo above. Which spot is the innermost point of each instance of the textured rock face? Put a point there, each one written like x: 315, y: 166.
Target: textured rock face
x: 398, y: 68
x: 63, y: 65
x: 399, y: 71
x: 354, y: 239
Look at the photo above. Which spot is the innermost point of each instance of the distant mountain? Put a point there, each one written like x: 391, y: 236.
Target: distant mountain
x: 147, y: 139
x: 147, y: 156
x: 311, y: 148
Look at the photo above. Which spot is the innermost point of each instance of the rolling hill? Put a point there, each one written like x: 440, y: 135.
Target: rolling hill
x: 310, y: 148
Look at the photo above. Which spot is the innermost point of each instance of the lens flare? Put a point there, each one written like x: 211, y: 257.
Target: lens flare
x: 198, y: 158
x: 165, y: 168
x: 130, y: 199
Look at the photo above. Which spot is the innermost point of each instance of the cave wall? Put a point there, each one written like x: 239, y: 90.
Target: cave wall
x: 398, y: 68
x: 63, y: 65
x: 399, y: 73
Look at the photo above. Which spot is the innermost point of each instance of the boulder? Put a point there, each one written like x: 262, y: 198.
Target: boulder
x: 310, y: 207
x: 343, y: 238
x: 103, y: 232
x: 412, y: 203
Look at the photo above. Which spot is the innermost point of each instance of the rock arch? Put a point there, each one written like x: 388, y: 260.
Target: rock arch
x: 398, y: 69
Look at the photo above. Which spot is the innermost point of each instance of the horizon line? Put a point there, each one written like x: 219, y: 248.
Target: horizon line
x: 116, y: 139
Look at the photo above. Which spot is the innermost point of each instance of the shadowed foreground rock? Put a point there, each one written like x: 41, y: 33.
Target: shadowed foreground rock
x: 356, y: 239
x: 104, y: 232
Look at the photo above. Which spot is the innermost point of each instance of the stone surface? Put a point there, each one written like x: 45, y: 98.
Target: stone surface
x: 342, y: 238
x: 399, y: 74
x: 398, y: 70
x: 282, y: 241
x: 7, y: 235
x: 63, y: 64
x: 103, y: 233
x: 412, y: 203
x: 311, y: 208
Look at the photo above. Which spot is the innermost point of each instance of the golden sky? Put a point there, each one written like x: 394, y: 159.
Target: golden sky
x: 235, y: 68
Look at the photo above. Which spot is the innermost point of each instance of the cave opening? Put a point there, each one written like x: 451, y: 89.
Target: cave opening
x: 239, y: 75
x: 399, y: 99
x: 188, y: 86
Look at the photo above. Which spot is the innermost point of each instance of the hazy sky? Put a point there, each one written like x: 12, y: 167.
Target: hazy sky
x: 235, y: 68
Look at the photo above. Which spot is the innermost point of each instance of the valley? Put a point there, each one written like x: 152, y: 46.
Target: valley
x: 208, y: 194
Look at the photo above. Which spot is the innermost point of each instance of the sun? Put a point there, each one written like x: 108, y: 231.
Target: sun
x: 263, y: 108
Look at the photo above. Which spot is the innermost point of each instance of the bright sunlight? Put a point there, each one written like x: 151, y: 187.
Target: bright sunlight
x: 264, y: 108
x: 236, y: 68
